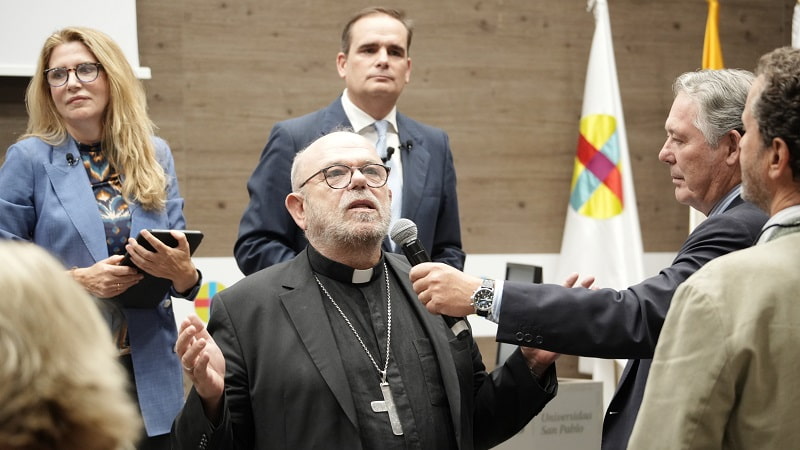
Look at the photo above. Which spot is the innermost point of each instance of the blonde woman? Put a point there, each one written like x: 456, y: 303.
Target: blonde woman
x: 86, y: 177
x: 60, y: 384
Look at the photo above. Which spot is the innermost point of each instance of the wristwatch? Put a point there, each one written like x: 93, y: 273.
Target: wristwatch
x: 483, y: 297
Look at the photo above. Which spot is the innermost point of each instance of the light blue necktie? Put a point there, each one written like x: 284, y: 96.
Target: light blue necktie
x: 395, y: 183
x: 381, y: 127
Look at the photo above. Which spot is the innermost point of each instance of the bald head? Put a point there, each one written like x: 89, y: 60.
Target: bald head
x: 330, y: 149
x: 346, y: 216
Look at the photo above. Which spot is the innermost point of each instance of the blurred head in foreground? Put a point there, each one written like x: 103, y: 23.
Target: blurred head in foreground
x: 60, y: 384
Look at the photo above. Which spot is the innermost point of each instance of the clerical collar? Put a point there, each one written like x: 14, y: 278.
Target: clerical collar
x: 340, y: 272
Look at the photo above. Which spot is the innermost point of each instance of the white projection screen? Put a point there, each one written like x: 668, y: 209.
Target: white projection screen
x: 25, y: 24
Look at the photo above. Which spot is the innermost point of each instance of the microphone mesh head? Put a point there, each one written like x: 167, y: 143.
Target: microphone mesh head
x: 403, y: 232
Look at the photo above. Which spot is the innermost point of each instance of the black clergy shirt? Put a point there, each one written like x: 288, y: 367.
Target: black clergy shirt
x: 413, y: 374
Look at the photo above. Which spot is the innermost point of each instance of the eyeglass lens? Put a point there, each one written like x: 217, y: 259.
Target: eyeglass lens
x: 339, y: 177
x: 86, y: 73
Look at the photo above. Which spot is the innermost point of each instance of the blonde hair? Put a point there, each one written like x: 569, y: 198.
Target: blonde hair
x: 61, y: 386
x: 127, y: 129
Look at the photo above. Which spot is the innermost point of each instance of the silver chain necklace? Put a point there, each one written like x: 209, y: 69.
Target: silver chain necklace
x: 352, y: 328
x: 387, y: 405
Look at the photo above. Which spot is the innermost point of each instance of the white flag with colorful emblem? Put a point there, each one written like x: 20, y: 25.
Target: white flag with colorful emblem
x: 601, y: 234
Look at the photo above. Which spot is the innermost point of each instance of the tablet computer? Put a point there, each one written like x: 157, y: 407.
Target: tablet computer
x: 150, y: 290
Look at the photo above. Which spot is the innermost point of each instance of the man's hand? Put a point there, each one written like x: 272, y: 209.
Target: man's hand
x: 538, y: 360
x: 204, y: 364
x: 443, y: 289
x: 586, y: 282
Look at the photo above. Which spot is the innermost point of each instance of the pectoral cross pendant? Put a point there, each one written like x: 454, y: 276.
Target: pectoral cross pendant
x: 387, y: 405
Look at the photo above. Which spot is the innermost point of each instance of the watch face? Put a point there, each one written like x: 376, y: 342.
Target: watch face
x: 483, y: 299
x: 483, y: 305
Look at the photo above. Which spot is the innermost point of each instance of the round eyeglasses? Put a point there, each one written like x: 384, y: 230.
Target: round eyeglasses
x: 338, y: 176
x: 85, y: 73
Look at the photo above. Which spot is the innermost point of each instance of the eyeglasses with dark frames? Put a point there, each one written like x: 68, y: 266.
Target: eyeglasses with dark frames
x: 338, y: 176
x: 84, y: 72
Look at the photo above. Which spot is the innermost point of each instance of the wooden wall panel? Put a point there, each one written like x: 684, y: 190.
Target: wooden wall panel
x: 13, y: 118
x: 503, y: 77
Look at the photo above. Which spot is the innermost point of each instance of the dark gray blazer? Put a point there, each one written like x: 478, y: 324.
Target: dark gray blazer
x: 267, y: 232
x: 286, y: 387
x: 607, y: 323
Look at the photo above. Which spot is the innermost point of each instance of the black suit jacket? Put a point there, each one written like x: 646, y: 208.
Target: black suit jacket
x: 267, y: 232
x: 607, y: 323
x: 286, y: 387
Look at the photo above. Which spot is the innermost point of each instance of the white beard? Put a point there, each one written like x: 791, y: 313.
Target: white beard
x: 340, y: 227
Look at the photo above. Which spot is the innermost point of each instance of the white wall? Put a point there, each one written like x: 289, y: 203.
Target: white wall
x: 25, y: 24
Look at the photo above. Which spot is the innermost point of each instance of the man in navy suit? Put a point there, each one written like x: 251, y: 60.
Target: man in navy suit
x: 702, y: 151
x: 375, y: 65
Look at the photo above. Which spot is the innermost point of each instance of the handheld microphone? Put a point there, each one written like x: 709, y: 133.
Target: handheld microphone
x: 404, y: 234
x: 71, y: 161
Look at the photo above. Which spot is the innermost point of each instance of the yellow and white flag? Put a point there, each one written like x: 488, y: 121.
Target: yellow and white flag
x: 712, y: 49
x: 602, y: 235
x: 712, y: 59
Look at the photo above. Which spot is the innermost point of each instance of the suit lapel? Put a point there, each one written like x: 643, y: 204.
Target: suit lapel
x: 73, y: 190
x: 142, y: 219
x: 440, y: 336
x: 415, y: 161
x: 628, y: 371
x: 735, y: 202
x: 334, y: 118
x: 303, y: 303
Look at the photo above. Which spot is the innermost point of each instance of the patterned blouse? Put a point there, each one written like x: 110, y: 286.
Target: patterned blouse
x: 107, y: 190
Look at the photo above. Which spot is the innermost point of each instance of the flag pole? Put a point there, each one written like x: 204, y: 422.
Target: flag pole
x: 601, y: 232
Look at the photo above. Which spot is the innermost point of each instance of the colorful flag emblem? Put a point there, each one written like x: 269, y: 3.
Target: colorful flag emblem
x: 202, y: 303
x: 601, y: 232
x: 597, y: 181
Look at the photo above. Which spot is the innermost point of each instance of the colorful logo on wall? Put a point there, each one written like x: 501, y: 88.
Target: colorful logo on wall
x: 202, y: 303
x: 596, y: 180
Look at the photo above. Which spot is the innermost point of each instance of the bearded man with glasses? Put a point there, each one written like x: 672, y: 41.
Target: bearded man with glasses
x: 362, y: 365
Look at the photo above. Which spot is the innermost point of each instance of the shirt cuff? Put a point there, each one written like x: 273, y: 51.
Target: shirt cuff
x: 494, y: 314
x: 192, y: 292
x: 548, y: 381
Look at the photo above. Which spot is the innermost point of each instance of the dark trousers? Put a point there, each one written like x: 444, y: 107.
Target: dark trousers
x: 154, y: 443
